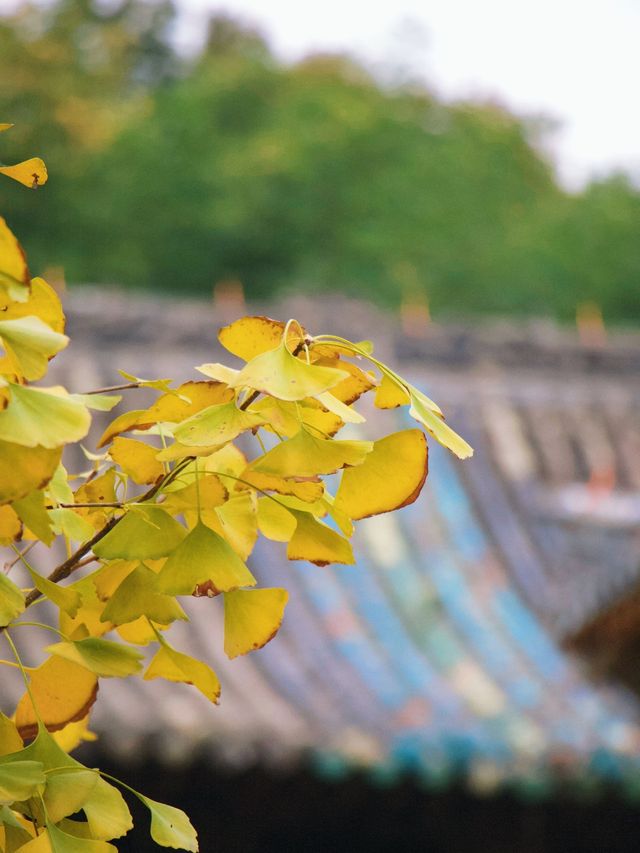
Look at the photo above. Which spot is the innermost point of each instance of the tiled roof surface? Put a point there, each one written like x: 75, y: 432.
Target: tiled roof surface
x: 442, y: 648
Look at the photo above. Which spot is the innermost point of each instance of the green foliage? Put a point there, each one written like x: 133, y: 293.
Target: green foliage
x: 231, y: 165
x: 173, y: 514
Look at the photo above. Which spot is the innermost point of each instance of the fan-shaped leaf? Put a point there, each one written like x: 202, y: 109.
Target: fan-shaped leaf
x: 175, y: 666
x: 44, y: 417
x: 307, y: 455
x: 216, y: 425
x: 146, y: 534
x: 138, y: 595
x: 250, y: 336
x: 137, y: 460
x: 170, y: 827
x: 317, y: 543
x: 11, y: 600
x: 102, y: 657
x: 252, y: 617
x: 29, y: 344
x: 32, y: 173
x: 23, y: 469
x: 19, y: 780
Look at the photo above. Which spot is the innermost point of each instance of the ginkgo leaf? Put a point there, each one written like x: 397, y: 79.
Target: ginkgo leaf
x: 193, y: 397
x: 65, y: 598
x: 102, y: 657
x: 391, y: 394
x: 107, y: 813
x: 139, y: 632
x: 138, y: 595
x: 251, y: 336
x: 435, y: 426
x: 42, y: 302
x: 355, y: 385
x: 307, y: 455
x: 203, y: 558
x: 19, y: 780
x: 29, y: 344
x: 68, y: 523
x: 238, y: 523
x: 14, y: 273
x: 23, y: 469
x: 108, y: 577
x: 137, y: 460
x: 58, y: 488
x: 5, y: 126
x: 44, y: 417
x: 219, y: 372
x: 73, y: 734
x: 10, y: 526
x: 252, y: 617
x: 141, y: 535
x: 32, y: 512
x: 177, y: 451
x: 309, y: 490
x: 317, y: 543
x: 170, y: 827
x: 32, y: 173
x: 156, y: 384
x: 135, y: 419
x: 275, y: 521
x: 207, y: 494
x: 87, y: 620
x: 172, y: 665
x: 285, y: 418
x: 11, y: 600
x: 279, y: 373
x: 101, y: 489
x: 63, y: 842
x: 98, y: 402
x: 67, y: 791
x: 344, y: 412
x: 15, y: 834
x: 216, y: 425
x: 391, y: 476
x: 63, y: 692
x: 10, y: 740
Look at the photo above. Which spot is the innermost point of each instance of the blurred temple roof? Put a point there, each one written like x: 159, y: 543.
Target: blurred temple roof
x: 445, y: 649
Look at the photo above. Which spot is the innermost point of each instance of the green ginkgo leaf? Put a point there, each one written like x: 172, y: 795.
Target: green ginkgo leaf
x: 306, y: 455
x: 107, y: 812
x: 63, y: 842
x: 203, y: 559
x: 15, y: 835
x: 170, y: 827
x: 11, y: 600
x: 68, y: 788
x: 29, y: 344
x: 102, y: 657
x: 216, y: 425
x: 279, y: 373
x: 65, y: 598
x: 137, y: 596
x: 423, y: 412
x: 45, y: 417
x: 19, y: 780
x: 68, y: 523
x: 33, y: 513
x: 143, y: 534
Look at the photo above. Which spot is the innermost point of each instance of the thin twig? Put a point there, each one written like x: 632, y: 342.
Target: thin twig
x: 20, y: 555
x: 113, y: 388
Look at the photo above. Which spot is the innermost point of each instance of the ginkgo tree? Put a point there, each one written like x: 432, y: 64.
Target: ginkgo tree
x: 170, y: 506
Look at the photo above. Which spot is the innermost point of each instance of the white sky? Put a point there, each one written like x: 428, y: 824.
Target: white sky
x: 577, y: 61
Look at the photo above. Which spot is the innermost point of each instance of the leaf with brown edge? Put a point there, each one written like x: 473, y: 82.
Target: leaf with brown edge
x: 252, y: 617
x: 31, y: 173
x: 176, y: 666
x: 137, y: 459
x: 315, y: 542
x: 251, y: 336
x: 391, y: 476
x: 63, y: 692
x: 23, y: 469
x: 14, y: 272
x: 390, y: 394
x: 135, y: 419
x: 309, y: 490
x: 353, y: 386
x: 308, y: 455
x: 204, y: 557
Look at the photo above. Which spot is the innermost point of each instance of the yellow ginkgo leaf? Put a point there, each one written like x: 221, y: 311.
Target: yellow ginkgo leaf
x: 43, y: 302
x: 207, y: 494
x: 10, y: 526
x: 29, y: 344
x: 391, y: 476
x: 10, y: 740
x: 307, y: 455
x: 308, y: 490
x: 135, y: 419
x: 87, y: 619
x: 144, y: 533
x: 251, y: 336
x: 344, y: 412
x: 203, y: 560
x: 104, y: 658
x: 278, y: 373
x: 107, y: 813
x: 65, y: 598
x: 317, y: 543
x: 45, y: 417
x: 354, y: 386
x: 23, y: 469
x: 32, y: 173
x: 12, y: 602
x: 63, y: 692
x: 275, y: 521
x: 177, y: 451
x: 137, y: 460
x: 216, y: 425
x: 285, y: 418
x: 238, y: 523
x: 252, y: 617
x: 423, y: 412
x: 391, y: 394
x: 176, y: 666
x: 73, y: 734
x: 219, y: 372
x: 139, y: 595
x: 14, y: 272
x: 100, y: 490
x: 67, y: 522
x: 63, y: 841
x: 139, y: 632
x: 188, y: 399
